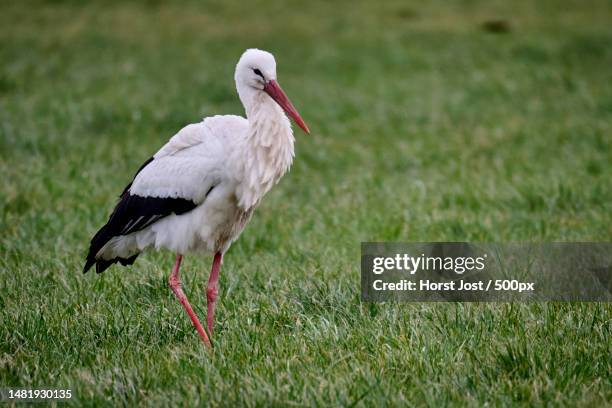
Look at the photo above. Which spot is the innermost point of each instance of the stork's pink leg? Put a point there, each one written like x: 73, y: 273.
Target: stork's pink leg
x: 175, y: 285
x: 212, y: 291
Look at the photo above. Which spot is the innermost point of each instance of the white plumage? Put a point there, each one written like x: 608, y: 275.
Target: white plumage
x: 199, y: 190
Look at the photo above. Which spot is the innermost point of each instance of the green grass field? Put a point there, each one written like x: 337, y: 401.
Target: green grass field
x: 425, y: 127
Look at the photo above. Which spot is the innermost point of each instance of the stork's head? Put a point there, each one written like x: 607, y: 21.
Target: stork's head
x: 256, y: 73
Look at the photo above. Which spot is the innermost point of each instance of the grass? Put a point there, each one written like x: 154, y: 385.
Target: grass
x: 424, y: 127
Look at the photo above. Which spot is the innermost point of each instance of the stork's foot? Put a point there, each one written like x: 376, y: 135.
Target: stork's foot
x: 175, y: 284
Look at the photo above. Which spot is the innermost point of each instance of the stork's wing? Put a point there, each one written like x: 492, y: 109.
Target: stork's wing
x: 192, y: 162
x: 174, y: 181
x: 132, y: 213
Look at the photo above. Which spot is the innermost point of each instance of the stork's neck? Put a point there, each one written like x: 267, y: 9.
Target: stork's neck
x: 268, y: 125
x: 268, y: 148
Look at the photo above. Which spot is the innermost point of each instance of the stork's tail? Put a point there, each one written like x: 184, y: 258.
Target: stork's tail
x: 103, y: 264
x: 97, y: 242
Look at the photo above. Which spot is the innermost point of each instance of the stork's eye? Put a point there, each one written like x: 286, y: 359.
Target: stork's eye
x: 258, y: 72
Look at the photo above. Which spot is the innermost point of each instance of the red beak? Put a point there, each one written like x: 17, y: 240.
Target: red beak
x: 273, y: 89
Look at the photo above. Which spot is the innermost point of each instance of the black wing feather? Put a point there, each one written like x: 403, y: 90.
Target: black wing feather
x: 132, y: 213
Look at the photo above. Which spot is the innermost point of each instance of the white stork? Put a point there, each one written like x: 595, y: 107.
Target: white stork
x: 199, y: 190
